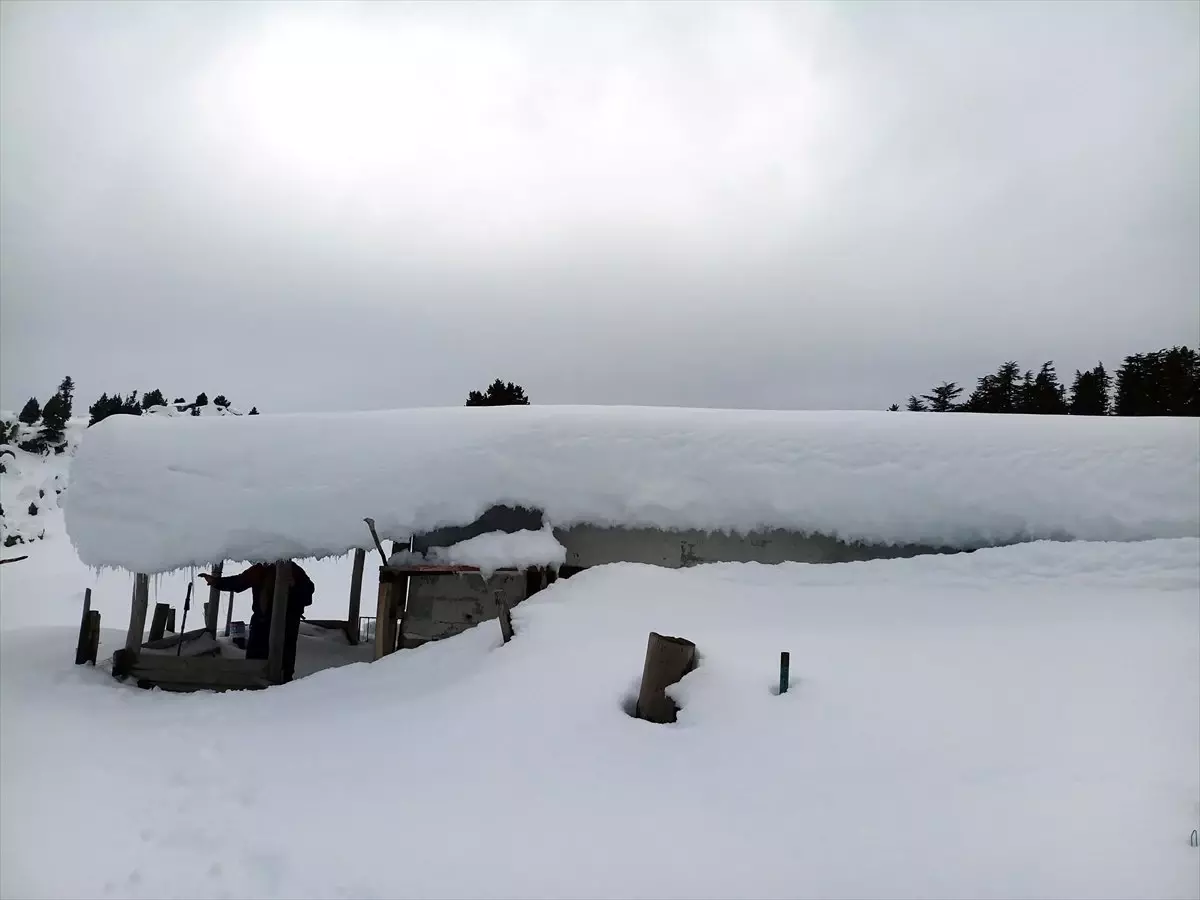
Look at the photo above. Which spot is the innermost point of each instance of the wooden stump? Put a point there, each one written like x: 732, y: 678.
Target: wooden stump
x: 668, y: 659
x: 158, y: 624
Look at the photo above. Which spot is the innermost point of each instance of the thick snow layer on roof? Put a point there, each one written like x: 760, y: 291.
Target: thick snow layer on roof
x: 493, y: 550
x: 152, y: 494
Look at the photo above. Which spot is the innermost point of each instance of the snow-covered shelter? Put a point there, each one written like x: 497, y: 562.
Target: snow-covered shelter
x: 512, y: 494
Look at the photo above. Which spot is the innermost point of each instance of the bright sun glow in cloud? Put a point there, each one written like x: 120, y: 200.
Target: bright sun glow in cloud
x: 513, y: 137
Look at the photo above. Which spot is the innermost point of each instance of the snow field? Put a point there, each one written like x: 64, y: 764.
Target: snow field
x: 1020, y: 722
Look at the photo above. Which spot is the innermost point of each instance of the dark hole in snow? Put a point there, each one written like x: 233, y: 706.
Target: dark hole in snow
x: 33, y: 509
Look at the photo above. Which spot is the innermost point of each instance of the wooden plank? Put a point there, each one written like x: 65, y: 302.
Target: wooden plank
x: 171, y: 620
x: 212, y: 608
x: 385, y: 617
x: 278, y: 636
x: 81, y: 644
x: 194, y: 643
x: 158, y: 624
x: 137, y: 613
x: 204, y: 671
x: 353, y: 614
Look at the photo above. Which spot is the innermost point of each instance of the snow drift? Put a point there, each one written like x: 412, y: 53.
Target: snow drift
x: 155, y: 494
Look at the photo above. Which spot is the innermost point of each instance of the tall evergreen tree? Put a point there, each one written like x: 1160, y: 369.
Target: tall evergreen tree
x: 31, y: 412
x: 499, y: 393
x: 1135, y: 394
x: 916, y: 404
x: 1089, y: 393
x: 943, y: 397
x: 1044, y: 395
x: 1178, y: 381
x: 221, y: 401
x: 57, y: 414
x: 253, y: 411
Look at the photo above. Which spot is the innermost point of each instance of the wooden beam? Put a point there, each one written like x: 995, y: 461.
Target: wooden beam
x: 356, y: 577
x: 137, y: 613
x: 199, y: 673
x: 213, y: 607
x: 158, y: 624
x: 81, y: 647
x: 229, y: 614
x: 278, y: 637
x: 668, y: 659
x: 385, y: 619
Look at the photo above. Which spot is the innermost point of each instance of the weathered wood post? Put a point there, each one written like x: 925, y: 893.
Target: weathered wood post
x: 158, y: 624
x: 212, y: 608
x: 137, y: 613
x: 668, y: 659
x: 92, y: 626
x: 785, y: 665
x: 352, y: 615
x: 229, y: 614
x: 504, y: 616
x: 171, y: 620
x: 278, y: 636
x: 386, y: 612
x: 81, y: 645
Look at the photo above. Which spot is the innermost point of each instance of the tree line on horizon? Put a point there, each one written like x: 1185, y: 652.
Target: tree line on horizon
x: 46, y: 425
x: 1160, y: 383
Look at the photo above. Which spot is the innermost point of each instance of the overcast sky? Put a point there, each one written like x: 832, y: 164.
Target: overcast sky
x: 796, y: 205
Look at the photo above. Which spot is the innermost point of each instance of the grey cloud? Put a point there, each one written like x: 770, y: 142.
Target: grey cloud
x: 797, y: 205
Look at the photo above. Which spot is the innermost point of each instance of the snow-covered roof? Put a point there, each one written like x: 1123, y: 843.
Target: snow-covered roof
x: 154, y: 494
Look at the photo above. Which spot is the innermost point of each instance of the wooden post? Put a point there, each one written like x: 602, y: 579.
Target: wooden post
x: 158, y: 625
x: 505, y: 616
x: 171, y: 619
x: 229, y: 614
x: 92, y: 626
x: 785, y: 663
x: 137, y: 614
x: 385, y: 615
x: 668, y: 659
x: 352, y: 615
x: 212, y: 608
x: 81, y: 645
x: 278, y: 636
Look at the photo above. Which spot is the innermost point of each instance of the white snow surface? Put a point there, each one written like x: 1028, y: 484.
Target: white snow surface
x: 154, y: 494
x: 1021, y: 722
x: 494, y: 550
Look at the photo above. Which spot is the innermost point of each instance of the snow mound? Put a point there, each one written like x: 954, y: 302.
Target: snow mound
x: 494, y: 550
x: 154, y: 494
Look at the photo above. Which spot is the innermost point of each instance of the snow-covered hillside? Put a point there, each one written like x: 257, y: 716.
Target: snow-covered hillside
x: 32, y: 485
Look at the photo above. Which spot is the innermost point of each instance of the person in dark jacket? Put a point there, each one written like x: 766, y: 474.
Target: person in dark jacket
x: 260, y: 578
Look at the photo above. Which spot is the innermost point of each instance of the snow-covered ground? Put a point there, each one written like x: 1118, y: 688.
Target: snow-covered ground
x: 1018, y: 722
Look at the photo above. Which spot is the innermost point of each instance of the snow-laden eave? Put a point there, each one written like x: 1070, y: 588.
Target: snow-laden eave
x: 159, y: 494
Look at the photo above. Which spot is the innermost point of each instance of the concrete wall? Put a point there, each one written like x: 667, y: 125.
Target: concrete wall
x: 593, y: 546
x: 443, y: 605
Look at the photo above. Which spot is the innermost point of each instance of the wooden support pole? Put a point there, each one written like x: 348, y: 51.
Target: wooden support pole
x: 278, y: 636
x: 504, y: 616
x: 229, y: 614
x: 158, y: 624
x: 92, y: 627
x: 353, y: 614
x: 137, y: 613
x: 785, y: 664
x: 385, y: 614
x: 668, y: 659
x: 81, y: 644
x: 171, y: 619
x: 212, y: 608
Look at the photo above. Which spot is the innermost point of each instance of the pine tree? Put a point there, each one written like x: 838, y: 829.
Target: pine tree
x: 201, y: 400
x: 1043, y: 394
x: 221, y: 401
x: 1178, y: 382
x: 253, y: 411
x: 499, y: 393
x: 1089, y: 393
x: 915, y: 404
x: 31, y: 412
x: 153, y: 398
x: 1135, y: 388
x: 895, y: 407
x: 57, y: 414
x: 943, y: 396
